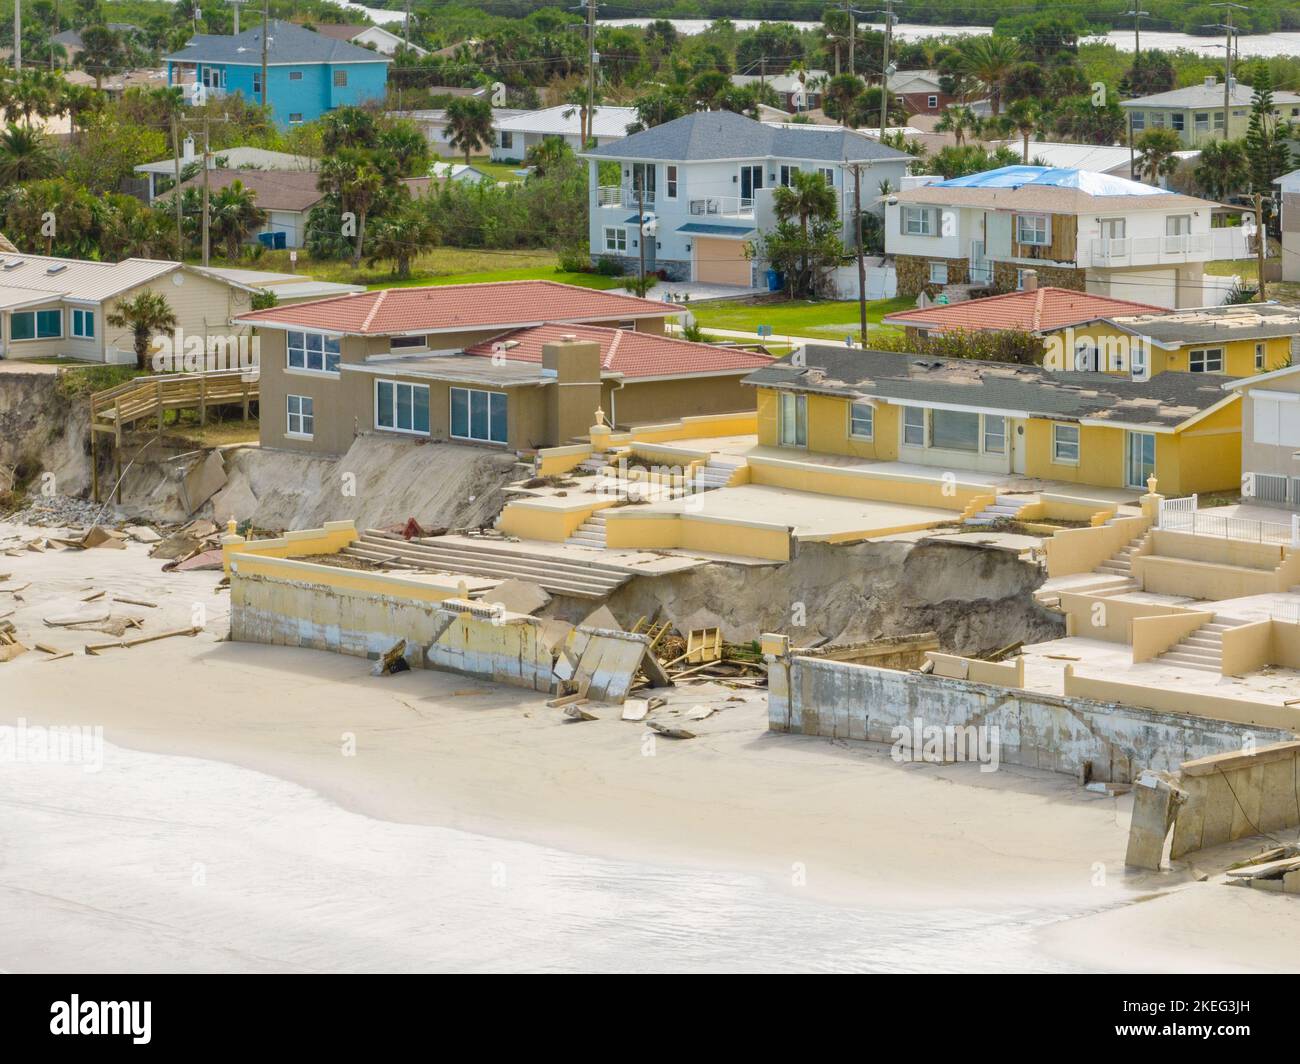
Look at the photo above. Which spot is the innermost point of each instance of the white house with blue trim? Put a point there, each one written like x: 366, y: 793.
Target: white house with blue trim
x: 307, y: 72
x: 704, y: 182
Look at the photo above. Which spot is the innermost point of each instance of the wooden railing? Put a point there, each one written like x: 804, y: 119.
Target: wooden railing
x: 143, y: 397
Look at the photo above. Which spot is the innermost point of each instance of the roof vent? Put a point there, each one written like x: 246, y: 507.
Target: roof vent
x: 1211, y: 81
x: 12, y: 264
x: 58, y: 267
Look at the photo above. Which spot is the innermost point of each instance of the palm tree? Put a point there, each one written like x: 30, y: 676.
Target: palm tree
x: 101, y: 52
x: 399, y: 236
x: 364, y: 186
x: 957, y: 119
x: 576, y: 98
x: 146, y: 314
x: 809, y: 199
x: 233, y: 214
x: 842, y: 94
x: 1159, y: 158
x: 469, y: 125
x: 347, y: 127
x: 989, y: 60
x: 1025, y: 117
x: 403, y: 147
x: 25, y: 155
x: 1222, y: 169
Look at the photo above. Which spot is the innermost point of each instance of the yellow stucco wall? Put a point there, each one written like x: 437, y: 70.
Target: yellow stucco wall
x: 828, y: 427
x: 1238, y: 355
x: 1101, y: 455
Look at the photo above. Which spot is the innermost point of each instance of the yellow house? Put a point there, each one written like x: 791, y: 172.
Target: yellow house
x: 999, y: 418
x: 1231, y: 341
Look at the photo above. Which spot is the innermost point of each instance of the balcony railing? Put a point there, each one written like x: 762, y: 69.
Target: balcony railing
x: 721, y: 206
x: 621, y: 196
x: 1129, y: 251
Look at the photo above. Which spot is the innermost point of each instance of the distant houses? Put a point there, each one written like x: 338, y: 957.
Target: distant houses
x: 1196, y: 113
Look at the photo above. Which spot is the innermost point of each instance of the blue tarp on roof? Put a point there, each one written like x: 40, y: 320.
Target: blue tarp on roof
x: 706, y: 229
x: 1089, y: 181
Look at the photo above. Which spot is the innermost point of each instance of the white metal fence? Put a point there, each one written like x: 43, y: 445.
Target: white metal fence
x: 1183, y: 515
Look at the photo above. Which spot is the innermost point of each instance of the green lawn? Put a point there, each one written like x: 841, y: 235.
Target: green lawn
x: 496, y: 171
x: 796, y: 317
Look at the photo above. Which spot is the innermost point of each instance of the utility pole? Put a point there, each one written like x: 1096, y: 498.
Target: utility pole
x: 591, y: 73
x: 207, y: 184
x: 862, y: 266
x: 1228, y: 30
x: 1138, y: 15
x: 237, y: 4
x: 853, y: 34
x: 266, y: 32
x: 1261, y: 243
x: 637, y: 182
x: 176, y: 188
x: 18, y: 36
x: 406, y: 26
x: 884, y: 67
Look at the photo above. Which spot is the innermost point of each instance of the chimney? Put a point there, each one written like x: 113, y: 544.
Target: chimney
x: 575, y: 366
x: 1211, y: 81
x: 1030, y: 282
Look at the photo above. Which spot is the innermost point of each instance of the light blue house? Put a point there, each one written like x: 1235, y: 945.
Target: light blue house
x: 307, y: 72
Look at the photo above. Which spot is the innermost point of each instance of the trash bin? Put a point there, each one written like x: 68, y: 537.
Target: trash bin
x: 775, y: 282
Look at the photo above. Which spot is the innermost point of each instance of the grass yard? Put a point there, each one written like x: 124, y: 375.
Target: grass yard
x: 832, y: 319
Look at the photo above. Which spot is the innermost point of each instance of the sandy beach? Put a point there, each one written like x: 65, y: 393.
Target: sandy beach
x: 262, y: 808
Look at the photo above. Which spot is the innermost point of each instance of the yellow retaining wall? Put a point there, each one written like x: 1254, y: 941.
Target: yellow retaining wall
x: 1247, y: 648
x: 742, y: 423
x: 1231, y: 796
x: 1004, y: 673
x: 1109, y: 619
x: 329, y: 539
x: 633, y: 528
x: 287, y: 570
x: 1051, y: 507
x: 1081, y: 550
x: 1286, y: 644
x: 1153, y: 635
x: 850, y: 483
x: 1212, y: 568
x: 554, y: 461
x: 547, y: 517
x: 1163, y: 700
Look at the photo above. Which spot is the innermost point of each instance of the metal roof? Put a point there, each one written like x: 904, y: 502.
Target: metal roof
x: 237, y: 159
x: 565, y: 119
x: 78, y: 278
x: 286, y: 43
x: 1166, y: 401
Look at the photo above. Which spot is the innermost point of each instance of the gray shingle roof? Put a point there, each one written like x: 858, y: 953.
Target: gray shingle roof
x: 1164, y: 401
x: 1203, y: 95
x: 1245, y: 321
x: 288, y: 43
x: 707, y: 135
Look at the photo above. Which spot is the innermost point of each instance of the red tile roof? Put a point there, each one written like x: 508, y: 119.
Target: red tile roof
x: 633, y: 354
x: 1041, y: 310
x: 452, y: 307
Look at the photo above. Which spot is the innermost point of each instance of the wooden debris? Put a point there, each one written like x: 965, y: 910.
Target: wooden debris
x: 392, y: 661
x: 95, y: 648
x: 575, y: 712
x: 668, y: 731
x: 703, y: 645
x: 565, y: 700
x: 136, y: 602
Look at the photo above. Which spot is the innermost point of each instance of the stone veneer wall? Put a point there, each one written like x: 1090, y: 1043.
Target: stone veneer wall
x: 1004, y: 276
x: 914, y: 274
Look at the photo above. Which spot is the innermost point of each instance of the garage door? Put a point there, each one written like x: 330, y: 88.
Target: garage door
x: 721, y: 261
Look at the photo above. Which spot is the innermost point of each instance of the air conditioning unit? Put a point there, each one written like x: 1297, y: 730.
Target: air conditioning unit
x: 1269, y: 487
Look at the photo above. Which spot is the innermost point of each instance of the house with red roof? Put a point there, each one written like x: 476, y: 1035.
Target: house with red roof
x: 516, y: 365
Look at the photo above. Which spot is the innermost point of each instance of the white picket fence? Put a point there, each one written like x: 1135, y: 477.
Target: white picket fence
x: 1183, y: 515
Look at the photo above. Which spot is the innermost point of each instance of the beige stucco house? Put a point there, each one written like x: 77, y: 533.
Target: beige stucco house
x: 1270, y: 436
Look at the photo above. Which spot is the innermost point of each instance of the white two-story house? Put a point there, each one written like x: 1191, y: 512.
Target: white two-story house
x: 703, y: 184
x: 1077, y: 229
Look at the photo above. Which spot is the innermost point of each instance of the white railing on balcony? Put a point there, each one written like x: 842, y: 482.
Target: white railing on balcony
x: 721, y: 206
x: 1183, y: 515
x: 1123, y: 251
x: 621, y: 196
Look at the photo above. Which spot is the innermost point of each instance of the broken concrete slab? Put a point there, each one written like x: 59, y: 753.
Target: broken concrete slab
x: 517, y: 596
x: 204, y: 560
x: 602, y: 617
x: 177, y: 545
x: 1156, y: 800
x: 636, y: 708
x: 99, y: 536
x: 142, y: 534
x: 204, y: 480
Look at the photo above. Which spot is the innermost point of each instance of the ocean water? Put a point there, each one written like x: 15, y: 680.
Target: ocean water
x: 164, y: 863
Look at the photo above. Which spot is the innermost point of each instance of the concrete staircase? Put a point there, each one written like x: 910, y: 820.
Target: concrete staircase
x: 1201, y: 650
x: 1121, y: 565
x: 1003, y: 508
x: 591, y: 533
x: 716, y: 473
x: 456, y: 555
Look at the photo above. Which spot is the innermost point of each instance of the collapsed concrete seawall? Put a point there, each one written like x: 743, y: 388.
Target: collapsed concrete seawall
x: 975, y: 598
x: 840, y: 700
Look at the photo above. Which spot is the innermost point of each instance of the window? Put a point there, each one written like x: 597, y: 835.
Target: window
x: 1206, y: 360
x: 83, y: 324
x: 1177, y: 122
x: 1033, y: 229
x: 938, y: 273
x: 478, y: 415
x: 302, y: 420
x: 340, y: 79
x: 954, y: 430
x: 918, y: 221
x: 257, y: 83
x: 670, y: 179
x: 793, y: 428
x: 932, y: 101
x: 1202, y: 121
x: 313, y: 351
x: 507, y: 139
x: 787, y: 174
x: 615, y: 238
x: 1218, y: 119
x: 402, y: 407
x: 862, y: 420
x: 36, y: 325
x: 1178, y: 224
x: 295, y: 118
x: 828, y: 175
x: 627, y: 326
x: 1020, y: 280
x: 995, y: 434
x: 1065, y: 444
x: 914, y: 426
x: 1139, y: 120
x: 295, y: 75
x: 1157, y: 120
x: 1259, y: 355
x: 1138, y: 355
x: 407, y: 343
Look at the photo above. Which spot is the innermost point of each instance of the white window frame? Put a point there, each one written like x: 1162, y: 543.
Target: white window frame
x: 83, y: 324
x: 1218, y: 119
x: 295, y: 118
x: 670, y: 181
x: 1177, y: 121
x: 922, y: 216
x: 1261, y: 353
x: 938, y: 273
x: 398, y: 387
x: 469, y: 393
x: 1032, y: 233
x: 909, y: 425
x: 785, y: 175
x: 1139, y: 120
x: 862, y: 413
x: 300, y: 424
x: 828, y: 175
x: 1201, y: 121
x: 1061, y: 447
x: 932, y: 101
x: 1210, y: 360
x: 36, y: 325
x: 614, y: 234
x: 1180, y: 223
x: 998, y: 422
x: 305, y: 347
